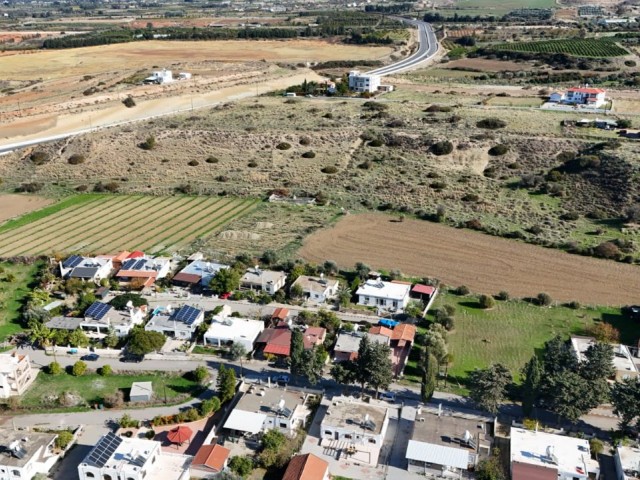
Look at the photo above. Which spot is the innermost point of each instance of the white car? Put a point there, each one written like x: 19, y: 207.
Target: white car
x: 388, y: 396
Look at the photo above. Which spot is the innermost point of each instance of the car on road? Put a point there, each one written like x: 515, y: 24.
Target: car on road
x: 91, y: 357
x: 388, y: 396
x: 280, y: 379
x: 131, y: 358
x: 225, y: 296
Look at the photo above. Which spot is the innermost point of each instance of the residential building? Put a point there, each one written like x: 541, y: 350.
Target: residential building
x: 198, y: 272
x: 122, y: 458
x: 348, y: 344
x: 209, y: 460
x: 546, y: 455
x: 225, y: 330
x: 313, y: 337
x: 26, y: 454
x: 448, y: 444
x: 16, y: 374
x: 100, y: 318
x: 593, y: 97
x: 627, y: 460
x: 263, y: 408
x: 386, y: 296
x: 86, y: 268
x: 380, y: 330
x: 275, y: 341
x: 402, y: 339
x: 180, y: 323
x: 143, y: 270
x: 141, y: 392
x: 317, y: 289
x: 355, y: 429
x: 306, y: 467
x: 425, y: 293
x: 280, y: 314
x: 363, y: 82
x: 268, y: 281
x: 623, y: 363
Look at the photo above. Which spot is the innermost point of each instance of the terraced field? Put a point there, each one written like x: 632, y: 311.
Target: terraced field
x: 108, y: 223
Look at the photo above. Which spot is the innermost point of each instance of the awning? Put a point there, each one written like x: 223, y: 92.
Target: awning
x: 244, y: 421
x: 438, y: 454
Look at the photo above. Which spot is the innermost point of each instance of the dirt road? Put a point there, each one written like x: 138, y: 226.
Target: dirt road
x: 462, y: 257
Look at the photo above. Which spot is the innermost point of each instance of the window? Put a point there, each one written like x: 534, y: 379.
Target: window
x: 283, y: 425
x: 106, y: 476
x: 372, y: 440
x: 347, y: 435
x: 89, y: 475
x: 15, y: 473
x: 328, y: 432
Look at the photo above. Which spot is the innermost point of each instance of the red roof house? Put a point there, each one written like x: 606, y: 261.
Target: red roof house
x: 211, y: 458
x: 276, y: 341
x: 313, y: 336
x: 307, y: 467
x: 403, y: 334
x: 136, y: 254
x: 280, y: 313
x: 380, y: 330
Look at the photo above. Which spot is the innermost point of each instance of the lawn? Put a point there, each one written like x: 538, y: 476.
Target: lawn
x: 511, y: 332
x: 93, y: 388
x: 14, y: 282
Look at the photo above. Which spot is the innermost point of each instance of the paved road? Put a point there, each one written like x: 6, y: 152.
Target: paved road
x: 428, y: 48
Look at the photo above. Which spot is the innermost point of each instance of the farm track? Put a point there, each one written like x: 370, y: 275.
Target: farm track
x: 239, y: 209
x: 57, y: 234
x: 46, y: 221
x: 483, y: 263
x: 114, y: 239
x: 32, y: 235
x: 87, y: 234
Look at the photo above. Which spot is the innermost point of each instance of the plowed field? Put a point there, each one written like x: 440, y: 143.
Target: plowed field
x: 483, y: 263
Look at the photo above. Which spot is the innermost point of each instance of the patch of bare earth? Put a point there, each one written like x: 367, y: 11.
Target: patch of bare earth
x: 13, y: 205
x: 480, y: 64
x: 483, y: 263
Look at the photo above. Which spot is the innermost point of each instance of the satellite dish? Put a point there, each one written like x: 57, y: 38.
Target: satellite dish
x: 129, y: 304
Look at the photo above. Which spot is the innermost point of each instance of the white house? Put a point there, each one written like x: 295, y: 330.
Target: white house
x: 122, y: 458
x: 542, y: 455
x: 16, y: 374
x: 264, y: 408
x: 593, y: 97
x: 627, y: 463
x: 623, y: 363
x: 225, y: 330
x: 100, y: 317
x: 265, y: 280
x: 86, y: 268
x: 355, y: 428
x: 144, y: 269
x: 180, y: 323
x: 389, y: 296
x: 317, y: 289
x: 362, y: 82
x: 26, y: 454
x: 198, y: 272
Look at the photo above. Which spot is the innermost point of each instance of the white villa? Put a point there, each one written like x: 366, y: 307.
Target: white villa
x: 16, y: 374
x: 86, y: 268
x: 264, y: 280
x: 389, y: 296
x: 363, y: 82
x: 593, y: 97
x: 26, y: 454
x: 225, y: 330
x: 317, y: 289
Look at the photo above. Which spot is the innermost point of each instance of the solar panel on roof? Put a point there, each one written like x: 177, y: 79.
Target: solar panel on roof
x: 129, y: 263
x: 186, y: 314
x: 139, y: 264
x: 103, y: 451
x: 72, y: 261
x: 97, y: 310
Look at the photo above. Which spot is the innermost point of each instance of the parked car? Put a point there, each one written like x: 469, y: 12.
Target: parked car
x: 280, y: 379
x: 92, y: 357
x: 225, y: 296
x: 131, y: 358
x: 388, y: 396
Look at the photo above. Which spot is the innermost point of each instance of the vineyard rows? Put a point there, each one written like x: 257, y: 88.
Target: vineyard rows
x: 586, y: 47
x: 113, y: 223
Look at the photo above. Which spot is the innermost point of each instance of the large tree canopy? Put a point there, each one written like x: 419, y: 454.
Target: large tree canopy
x: 142, y: 341
x: 489, y: 386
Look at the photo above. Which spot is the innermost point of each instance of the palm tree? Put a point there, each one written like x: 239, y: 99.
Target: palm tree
x: 41, y: 334
x: 343, y: 296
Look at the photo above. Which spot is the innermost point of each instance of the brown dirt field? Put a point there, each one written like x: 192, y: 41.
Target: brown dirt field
x: 487, y: 65
x: 12, y: 205
x: 460, y: 257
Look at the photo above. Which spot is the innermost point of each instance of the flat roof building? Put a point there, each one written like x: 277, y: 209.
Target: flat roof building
x: 226, y: 330
x: 26, y: 454
x: 385, y: 296
x: 627, y: 461
x: 16, y: 374
x: 265, y: 280
x: 198, y: 272
x: 622, y: 360
x: 180, y: 323
x: 317, y: 289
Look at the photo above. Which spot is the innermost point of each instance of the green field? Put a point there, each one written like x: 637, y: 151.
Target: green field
x: 110, y: 223
x: 14, y: 281
x: 511, y: 332
x: 585, y: 47
x: 93, y: 388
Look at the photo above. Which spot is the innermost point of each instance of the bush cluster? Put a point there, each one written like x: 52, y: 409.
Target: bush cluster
x: 283, y: 146
x: 491, y: 123
x: 76, y: 159
x: 444, y: 147
x: 329, y: 169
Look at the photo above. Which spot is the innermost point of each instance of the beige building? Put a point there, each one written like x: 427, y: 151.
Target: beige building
x: 16, y: 374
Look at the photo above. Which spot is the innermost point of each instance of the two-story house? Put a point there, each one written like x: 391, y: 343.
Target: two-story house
x: 386, y: 296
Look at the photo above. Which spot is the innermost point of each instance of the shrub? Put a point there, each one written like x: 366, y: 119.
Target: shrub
x: 486, y: 301
x: 200, y: 374
x: 76, y: 159
x: 212, y: 160
x: 470, y: 197
x: 114, y: 401
x: 149, y: 143
x: 329, y: 169
x: 607, y: 250
x: 305, y: 141
x: 79, y: 368
x: 63, y: 439
x: 624, y: 123
x: 574, y: 305
x: 150, y: 434
x: 375, y: 143
x: 444, y: 147
x: 127, y: 422
x: 502, y: 296
x: 207, y: 407
x: 462, y: 290
x: 129, y: 102
x: 82, y: 188
x: 498, y: 150
x: 447, y: 322
x: 192, y: 415
x: 30, y: 187
x: 491, y: 123
x: 106, y: 370
x: 328, y: 115
x: 54, y: 368
x: 437, y: 108
x: 193, y: 163
x: 241, y: 465
x: 39, y: 157
x: 630, y: 63
x: 283, y: 146
x: 570, y: 216
x: 309, y: 154
x: 543, y: 299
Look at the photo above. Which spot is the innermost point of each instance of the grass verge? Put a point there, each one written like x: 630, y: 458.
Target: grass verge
x: 14, y: 287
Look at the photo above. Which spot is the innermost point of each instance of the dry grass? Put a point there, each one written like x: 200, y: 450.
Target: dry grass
x: 483, y: 263
x: 12, y: 205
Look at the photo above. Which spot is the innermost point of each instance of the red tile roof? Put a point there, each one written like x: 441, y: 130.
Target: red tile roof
x: 586, y: 90
x: 404, y: 332
x: 379, y: 330
x: 212, y: 456
x: 187, y: 277
x: 424, y: 289
x: 277, y: 340
x: 526, y: 471
x: 306, y: 467
x: 136, y: 254
x: 137, y: 274
x: 121, y: 257
x: 313, y: 336
x: 280, y: 313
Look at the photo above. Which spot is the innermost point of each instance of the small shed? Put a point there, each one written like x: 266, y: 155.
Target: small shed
x: 141, y: 392
x: 102, y: 292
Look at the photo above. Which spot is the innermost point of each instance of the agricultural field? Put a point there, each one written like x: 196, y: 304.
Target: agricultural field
x: 15, y: 279
x: 586, y: 47
x: 462, y: 257
x: 109, y: 223
x: 12, y: 205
